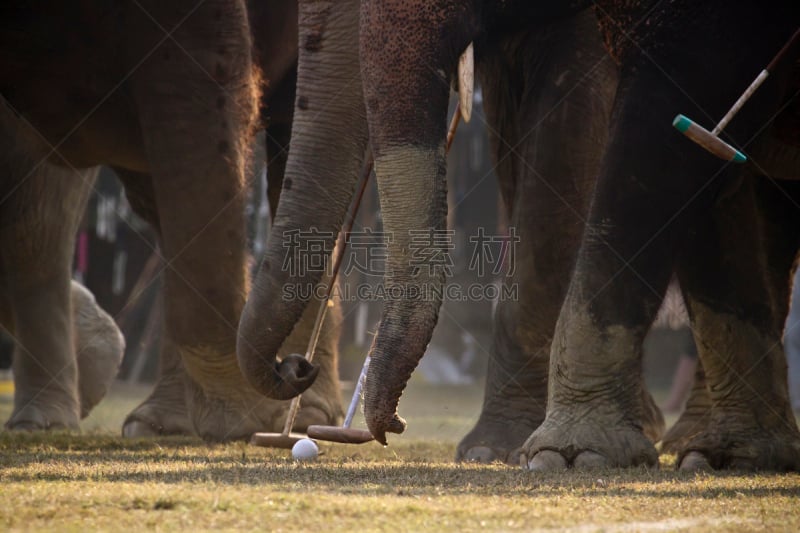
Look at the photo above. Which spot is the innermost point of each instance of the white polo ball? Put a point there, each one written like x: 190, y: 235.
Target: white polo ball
x: 305, y: 449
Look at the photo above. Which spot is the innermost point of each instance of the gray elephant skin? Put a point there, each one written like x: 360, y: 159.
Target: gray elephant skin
x: 663, y: 204
x: 67, y: 350
x: 556, y: 74
x: 659, y: 205
x: 169, y: 94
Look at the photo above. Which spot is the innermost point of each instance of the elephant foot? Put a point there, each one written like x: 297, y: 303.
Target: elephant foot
x: 222, y: 406
x: 52, y: 407
x: 162, y: 413
x: 148, y: 420
x: 742, y: 443
x: 310, y: 416
x: 154, y: 419
x: 43, y: 415
x: 234, y: 415
x: 99, y: 348
x: 499, y: 437
x: 565, y: 440
x: 694, y: 462
x: 237, y: 418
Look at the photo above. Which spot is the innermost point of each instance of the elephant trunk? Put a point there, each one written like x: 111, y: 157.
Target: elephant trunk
x: 329, y: 138
x: 407, y: 50
x: 413, y: 195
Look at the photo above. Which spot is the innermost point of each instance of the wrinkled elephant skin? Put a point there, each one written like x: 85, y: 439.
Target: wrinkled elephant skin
x: 67, y: 350
x: 166, y: 93
x: 660, y: 202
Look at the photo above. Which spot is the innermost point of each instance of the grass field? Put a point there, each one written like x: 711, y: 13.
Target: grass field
x: 97, y: 481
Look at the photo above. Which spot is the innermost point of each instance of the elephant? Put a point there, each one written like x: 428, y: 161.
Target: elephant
x: 556, y: 74
x: 67, y: 349
x: 653, y: 211
x: 169, y: 95
x: 730, y: 236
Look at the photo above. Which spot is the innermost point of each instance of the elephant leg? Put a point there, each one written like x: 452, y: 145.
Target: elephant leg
x: 595, y: 411
x: 535, y: 79
x: 164, y: 411
x: 738, y: 284
x: 42, y: 206
x: 197, y: 123
x: 205, y: 275
x: 651, y: 185
x: 595, y: 408
x: 61, y: 334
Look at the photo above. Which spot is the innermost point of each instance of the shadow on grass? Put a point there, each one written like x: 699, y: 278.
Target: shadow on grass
x: 35, y: 458
x: 23, y: 441
x: 416, y: 481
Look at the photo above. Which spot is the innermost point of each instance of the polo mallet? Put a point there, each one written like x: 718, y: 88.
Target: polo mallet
x: 287, y: 439
x: 345, y: 434
x: 710, y: 139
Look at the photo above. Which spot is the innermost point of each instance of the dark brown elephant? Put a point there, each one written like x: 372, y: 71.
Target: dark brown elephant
x: 548, y: 92
x: 654, y: 210
x: 167, y: 93
x: 663, y: 203
x: 67, y: 350
x: 555, y: 75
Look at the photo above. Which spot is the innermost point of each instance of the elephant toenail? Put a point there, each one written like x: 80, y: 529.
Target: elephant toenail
x: 695, y: 462
x: 547, y: 461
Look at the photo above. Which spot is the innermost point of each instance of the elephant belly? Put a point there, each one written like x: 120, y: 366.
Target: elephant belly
x: 64, y: 77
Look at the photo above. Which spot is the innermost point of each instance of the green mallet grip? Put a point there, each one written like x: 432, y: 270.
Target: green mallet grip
x: 707, y: 140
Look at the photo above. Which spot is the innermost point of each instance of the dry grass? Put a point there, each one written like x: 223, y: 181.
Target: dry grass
x: 97, y: 481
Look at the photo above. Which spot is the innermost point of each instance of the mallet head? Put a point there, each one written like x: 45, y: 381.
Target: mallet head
x: 708, y: 140
x: 276, y: 440
x: 340, y: 434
